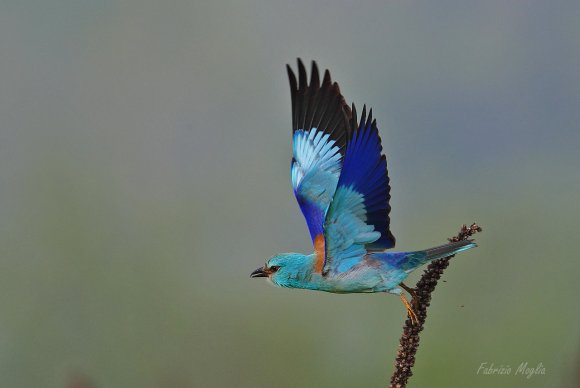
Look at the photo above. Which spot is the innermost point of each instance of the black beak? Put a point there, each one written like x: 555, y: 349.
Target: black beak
x: 259, y: 273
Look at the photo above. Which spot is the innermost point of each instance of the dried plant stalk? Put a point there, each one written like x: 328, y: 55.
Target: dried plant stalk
x: 409, y: 342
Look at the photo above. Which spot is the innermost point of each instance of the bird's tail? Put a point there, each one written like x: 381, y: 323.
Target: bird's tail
x: 418, y: 258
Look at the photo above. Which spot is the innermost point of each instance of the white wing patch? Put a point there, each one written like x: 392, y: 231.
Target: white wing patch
x: 316, y: 166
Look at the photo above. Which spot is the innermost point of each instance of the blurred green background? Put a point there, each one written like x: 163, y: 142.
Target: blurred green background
x: 144, y: 173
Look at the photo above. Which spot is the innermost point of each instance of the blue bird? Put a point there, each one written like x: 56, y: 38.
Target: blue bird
x: 340, y: 180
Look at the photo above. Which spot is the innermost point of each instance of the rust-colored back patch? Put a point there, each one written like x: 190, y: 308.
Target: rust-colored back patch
x: 319, y: 251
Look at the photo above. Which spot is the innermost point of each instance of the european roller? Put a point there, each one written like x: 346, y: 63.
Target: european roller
x: 340, y: 180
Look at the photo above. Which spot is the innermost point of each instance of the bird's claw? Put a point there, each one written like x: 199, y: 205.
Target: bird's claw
x: 413, y: 293
x: 410, y: 311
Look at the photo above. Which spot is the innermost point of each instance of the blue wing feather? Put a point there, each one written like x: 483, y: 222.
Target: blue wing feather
x: 321, y: 125
x: 357, y: 221
x: 365, y: 169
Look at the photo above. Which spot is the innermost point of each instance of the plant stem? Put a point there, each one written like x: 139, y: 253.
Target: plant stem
x: 409, y: 342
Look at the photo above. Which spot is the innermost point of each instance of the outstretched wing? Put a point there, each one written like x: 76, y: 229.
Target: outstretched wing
x: 320, y: 129
x: 358, y: 218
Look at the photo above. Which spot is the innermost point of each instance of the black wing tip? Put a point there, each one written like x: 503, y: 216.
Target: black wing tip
x: 356, y: 123
x: 291, y: 78
x: 314, y: 73
x: 370, y: 117
x: 327, y: 80
x: 302, y: 78
x: 314, y: 76
x: 318, y: 104
x: 366, y: 119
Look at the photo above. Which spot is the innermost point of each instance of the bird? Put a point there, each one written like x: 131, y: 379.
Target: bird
x: 340, y: 179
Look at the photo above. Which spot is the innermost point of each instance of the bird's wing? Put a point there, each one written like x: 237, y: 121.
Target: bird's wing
x: 320, y: 129
x: 358, y: 220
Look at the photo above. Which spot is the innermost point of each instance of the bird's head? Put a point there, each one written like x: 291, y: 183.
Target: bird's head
x: 286, y: 269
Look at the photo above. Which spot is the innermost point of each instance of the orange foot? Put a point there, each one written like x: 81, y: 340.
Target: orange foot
x: 410, y: 312
x: 411, y: 291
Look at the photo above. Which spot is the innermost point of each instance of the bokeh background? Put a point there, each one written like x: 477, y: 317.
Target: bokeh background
x: 144, y: 173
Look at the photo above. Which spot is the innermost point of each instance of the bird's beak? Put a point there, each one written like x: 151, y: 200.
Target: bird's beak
x: 259, y: 273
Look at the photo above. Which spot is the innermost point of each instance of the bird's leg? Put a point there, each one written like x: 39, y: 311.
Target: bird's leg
x: 410, y: 311
x: 411, y: 291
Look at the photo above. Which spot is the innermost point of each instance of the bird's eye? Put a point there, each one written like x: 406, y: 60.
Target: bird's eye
x: 274, y: 268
